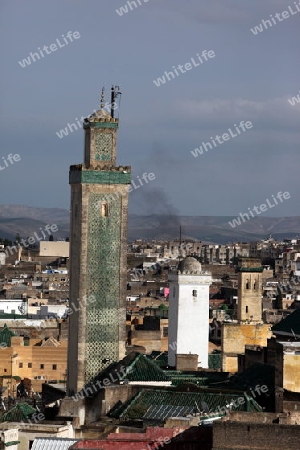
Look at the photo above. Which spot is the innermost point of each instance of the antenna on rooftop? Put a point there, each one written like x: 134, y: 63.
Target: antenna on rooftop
x: 180, y: 235
x: 115, y: 93
x: 180, y: 240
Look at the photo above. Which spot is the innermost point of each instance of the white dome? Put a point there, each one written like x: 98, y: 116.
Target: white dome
x: 189, y: 265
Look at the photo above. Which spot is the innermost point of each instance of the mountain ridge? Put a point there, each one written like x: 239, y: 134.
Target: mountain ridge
x: 25, y: 220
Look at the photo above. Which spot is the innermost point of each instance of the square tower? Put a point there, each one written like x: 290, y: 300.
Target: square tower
x: 250, y: 290
x: 98, y: 254
x: 189, y: 312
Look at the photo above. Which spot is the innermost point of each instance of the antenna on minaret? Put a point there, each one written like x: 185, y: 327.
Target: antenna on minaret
x: 115, y: 92
x: 102, y: 101
x: 180, y: 238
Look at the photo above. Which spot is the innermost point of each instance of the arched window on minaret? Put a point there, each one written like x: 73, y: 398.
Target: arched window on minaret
x: 255, y: 285
x: 104, y: 209
x: 247, y: 284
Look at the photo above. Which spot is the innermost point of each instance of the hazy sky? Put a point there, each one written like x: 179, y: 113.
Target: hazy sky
x: 250, y: 78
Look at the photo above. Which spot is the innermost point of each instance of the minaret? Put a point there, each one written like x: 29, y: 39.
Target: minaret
x: 250, y: 290
x: 189, y: 312
x: 98, y: 253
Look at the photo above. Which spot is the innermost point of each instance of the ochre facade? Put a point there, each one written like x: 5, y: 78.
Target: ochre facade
x: 236, y: 336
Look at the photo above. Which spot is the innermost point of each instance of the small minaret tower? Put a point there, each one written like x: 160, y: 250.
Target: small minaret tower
x: 98, y: 252
x: 250, y: 290
x: 189, y: 312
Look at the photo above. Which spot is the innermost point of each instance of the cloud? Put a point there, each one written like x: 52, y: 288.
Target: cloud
x: 220, y: 12
x: 275, y: 114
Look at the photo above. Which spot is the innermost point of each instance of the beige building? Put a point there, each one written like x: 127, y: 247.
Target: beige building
x: 57, y: 249
x: 250, y: 291
x: 249, y: 328
x: 38, y: 361
x: 235, y: 337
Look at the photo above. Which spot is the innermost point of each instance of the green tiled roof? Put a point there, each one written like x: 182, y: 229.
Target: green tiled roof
x: 21, y: 411
x: 138, y: 368
x: 290, y: 324
x: 178, y: 379
x: 159, y: 358
x: 5, y: 335
x: 143, y: 369
x: 158, y: 405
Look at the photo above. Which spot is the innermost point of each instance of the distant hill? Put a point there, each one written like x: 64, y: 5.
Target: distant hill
x: 215, y: 229
x: 26, y: 220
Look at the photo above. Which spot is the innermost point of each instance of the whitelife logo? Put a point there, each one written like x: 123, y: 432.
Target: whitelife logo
x: 11, y: 159
x: 53, y: 47
x: 294, y: 100
x: 65, y: 132
x: 31, y: 240
x: 188, y: 66
x: 225, y: 136
x: 124, y: 9
x: 267, y: 23
x: 263, y: 207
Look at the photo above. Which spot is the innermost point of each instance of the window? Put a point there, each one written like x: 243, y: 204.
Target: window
x: 247, y: 284
x: 194, y: 293
x: 41, y: 366
x: 247, y: 309
x: 29, y: 365
x: 54, y: 367
x: 104, y: 209
x: 20, y: 365
x: 165, y: 331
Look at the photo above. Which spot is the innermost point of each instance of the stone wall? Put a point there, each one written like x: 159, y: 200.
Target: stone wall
x: 230, y: 435
x: 236, y: 336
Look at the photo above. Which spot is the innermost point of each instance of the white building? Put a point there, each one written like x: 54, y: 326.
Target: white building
x: 189, y: 312
x: 2, y: 258
x: 14, y: 306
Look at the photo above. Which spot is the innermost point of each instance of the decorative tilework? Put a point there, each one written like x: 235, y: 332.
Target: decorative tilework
x: 103, y: 146
x: 103, y: 269
x: 99, y: 177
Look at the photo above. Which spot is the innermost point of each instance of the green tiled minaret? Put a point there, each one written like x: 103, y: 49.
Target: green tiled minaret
x: 98, y: 249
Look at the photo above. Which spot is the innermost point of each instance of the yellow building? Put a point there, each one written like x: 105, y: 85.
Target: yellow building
x: 37, y: 360
x: 249, y: 329
x: 235, y: 337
